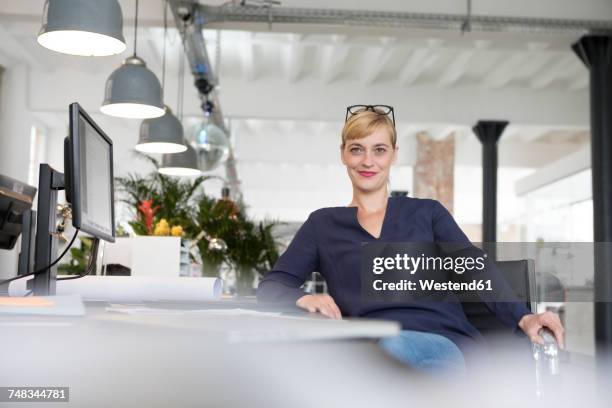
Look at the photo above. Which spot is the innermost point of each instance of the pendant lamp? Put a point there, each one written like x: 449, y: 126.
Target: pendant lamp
x: 163, y: 134
x: 132, y: 90
x: 181, y: 164
x: 82, y: 27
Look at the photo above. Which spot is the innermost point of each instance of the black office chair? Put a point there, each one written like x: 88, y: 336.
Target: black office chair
x: 520, y: 276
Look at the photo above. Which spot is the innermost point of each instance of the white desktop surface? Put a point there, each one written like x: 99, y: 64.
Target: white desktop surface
x: 183, y: 358
x: 179, y: 358
x: 238, y: 326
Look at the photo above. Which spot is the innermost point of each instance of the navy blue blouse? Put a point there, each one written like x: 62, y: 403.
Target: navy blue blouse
x: 330, y: 242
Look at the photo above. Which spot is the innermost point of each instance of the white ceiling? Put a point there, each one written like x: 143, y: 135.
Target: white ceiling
x: 285, y: 92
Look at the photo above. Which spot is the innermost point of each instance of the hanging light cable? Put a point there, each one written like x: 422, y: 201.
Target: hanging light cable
x: 184, y: 163
x: 132, y: 90
x: 163, y: 134
x: 181, y: 81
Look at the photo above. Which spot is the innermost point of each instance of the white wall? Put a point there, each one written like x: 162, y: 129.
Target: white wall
x: 286, y: 130
x: 15, y: 123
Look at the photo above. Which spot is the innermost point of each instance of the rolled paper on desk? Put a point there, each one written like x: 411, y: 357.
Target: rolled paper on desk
x: 134, y: 288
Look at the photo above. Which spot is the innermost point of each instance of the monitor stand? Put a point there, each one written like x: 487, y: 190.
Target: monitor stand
x: 28, y: 233
x: 50, y: 182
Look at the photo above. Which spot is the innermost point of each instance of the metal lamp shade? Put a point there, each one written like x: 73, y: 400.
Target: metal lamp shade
x: 133, y: 91
x: 181, y: 164
x: 161, y: 135
x: 83, y: 27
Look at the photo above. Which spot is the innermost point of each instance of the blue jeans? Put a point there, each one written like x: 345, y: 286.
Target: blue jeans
x: 427, y: 352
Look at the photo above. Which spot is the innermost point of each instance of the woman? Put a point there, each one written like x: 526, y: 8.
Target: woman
x: 434, y: 334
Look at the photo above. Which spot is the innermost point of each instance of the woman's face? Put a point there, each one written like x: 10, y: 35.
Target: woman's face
x: 369, y: 159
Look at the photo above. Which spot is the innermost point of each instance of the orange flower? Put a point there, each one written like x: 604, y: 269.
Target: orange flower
x: 148, y: 212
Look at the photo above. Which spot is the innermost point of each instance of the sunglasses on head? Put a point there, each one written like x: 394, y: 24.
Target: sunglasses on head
x: 379, y: 109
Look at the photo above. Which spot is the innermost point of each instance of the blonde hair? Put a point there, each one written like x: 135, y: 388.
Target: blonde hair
x: 366, y: 122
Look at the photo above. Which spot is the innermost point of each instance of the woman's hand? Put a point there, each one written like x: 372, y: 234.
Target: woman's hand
x: 532, y: 323
x: 323, y: 304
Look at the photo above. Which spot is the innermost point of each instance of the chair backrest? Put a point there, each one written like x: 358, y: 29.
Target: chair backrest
x: 520, y: 276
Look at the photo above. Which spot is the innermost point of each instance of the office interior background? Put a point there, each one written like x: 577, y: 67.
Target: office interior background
x: 283, y: 89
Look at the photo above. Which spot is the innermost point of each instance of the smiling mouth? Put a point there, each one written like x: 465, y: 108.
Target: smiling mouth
x: 367, y: 173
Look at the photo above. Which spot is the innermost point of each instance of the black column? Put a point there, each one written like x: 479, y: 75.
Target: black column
x: 596, y: 53
x: 489, y: 132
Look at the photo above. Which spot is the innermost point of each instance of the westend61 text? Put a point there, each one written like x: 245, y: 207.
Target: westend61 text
x: 429, y: 285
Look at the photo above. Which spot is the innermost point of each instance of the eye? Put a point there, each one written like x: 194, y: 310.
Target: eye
x: 355, y: 150
x: 380, y: 150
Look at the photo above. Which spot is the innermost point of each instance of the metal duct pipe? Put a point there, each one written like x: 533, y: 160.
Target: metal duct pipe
x: 387, y: 19
x: 190, y: 23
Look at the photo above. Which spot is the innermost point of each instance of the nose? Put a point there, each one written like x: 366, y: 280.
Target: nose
x: 368, y: 160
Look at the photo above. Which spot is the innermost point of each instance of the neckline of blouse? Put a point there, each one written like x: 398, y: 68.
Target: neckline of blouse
x: 382, y: 228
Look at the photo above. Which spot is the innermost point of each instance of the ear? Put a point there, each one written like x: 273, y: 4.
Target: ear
x: 395, y: 154
x: 342, y: 155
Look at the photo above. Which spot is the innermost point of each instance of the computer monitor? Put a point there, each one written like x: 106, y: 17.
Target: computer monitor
x: 88, y: 167
x: 15, y: 199
x: 88, y: 181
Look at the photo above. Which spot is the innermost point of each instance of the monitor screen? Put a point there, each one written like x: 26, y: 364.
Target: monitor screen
x: 89, y: 176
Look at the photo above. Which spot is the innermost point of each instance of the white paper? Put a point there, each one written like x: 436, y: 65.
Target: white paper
x: 139, y: 310
x: 143, y: 311
x: 235, y: 312
x: 134, y: 288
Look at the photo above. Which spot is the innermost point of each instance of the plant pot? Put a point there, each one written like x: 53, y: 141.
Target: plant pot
x: 146, y: 255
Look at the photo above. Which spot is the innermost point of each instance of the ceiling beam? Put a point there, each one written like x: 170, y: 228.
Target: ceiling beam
x: 286, y: 127
x: 557, y: 70
x: 505, y: 71
x: 333, y: 57
x: 376, y: 60
x: 526, y: 134
x: 456, y: 69
x: 420, y: 60
x: 294, y: 55
x: 459, y: 66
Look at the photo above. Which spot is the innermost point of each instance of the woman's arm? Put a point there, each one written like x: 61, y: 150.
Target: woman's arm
x: 513, y: 314
x: 282, y: 284
x: 508, y: 312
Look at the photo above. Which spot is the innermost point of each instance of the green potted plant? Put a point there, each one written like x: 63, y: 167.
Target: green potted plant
x: 155, y: 197
x: 79, y: 258
x: 218, y: 221
x: 163, y: 205
x: 161, y: 208
x: 251, y: 247
x: 252, y: 251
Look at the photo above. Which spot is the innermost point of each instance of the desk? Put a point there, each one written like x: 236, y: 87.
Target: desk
x: 207, y: 360
x: 183, y: 359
